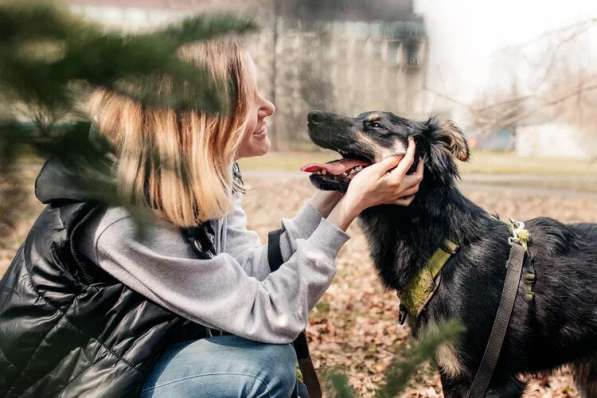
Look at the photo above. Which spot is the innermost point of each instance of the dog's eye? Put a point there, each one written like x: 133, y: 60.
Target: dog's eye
x: 375, y: 125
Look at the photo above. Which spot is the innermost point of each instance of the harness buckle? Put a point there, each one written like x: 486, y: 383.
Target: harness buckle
x: 520, y: 235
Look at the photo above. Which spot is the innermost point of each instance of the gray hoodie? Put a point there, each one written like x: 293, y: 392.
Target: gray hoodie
x: 233, y: 291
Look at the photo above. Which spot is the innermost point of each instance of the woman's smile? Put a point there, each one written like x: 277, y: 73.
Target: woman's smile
x: 261, y: 132
x: 255, y: 140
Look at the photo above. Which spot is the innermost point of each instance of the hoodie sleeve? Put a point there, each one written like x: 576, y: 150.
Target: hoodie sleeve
x: 245, y: 246
x: 218, y: 292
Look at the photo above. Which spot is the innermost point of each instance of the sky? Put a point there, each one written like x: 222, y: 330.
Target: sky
x: 465, y: 36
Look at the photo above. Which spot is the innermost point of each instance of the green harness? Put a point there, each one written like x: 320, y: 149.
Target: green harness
x: 421, y: 287
x: 419, y: 290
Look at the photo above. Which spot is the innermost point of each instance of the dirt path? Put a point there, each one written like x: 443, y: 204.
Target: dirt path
x: 568, y: 186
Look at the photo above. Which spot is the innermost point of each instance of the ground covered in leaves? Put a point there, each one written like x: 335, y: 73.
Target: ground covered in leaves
x: 354, y: 326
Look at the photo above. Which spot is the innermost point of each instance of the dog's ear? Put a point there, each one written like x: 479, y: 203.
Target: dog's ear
x: 453, y: 139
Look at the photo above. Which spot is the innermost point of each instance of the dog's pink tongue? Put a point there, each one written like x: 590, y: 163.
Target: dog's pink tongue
x: 335, y: 167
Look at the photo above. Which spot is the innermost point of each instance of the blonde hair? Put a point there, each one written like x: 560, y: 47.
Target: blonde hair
x: 179, y: 164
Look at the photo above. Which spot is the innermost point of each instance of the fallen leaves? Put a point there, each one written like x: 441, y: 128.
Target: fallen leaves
x: 354, y: 327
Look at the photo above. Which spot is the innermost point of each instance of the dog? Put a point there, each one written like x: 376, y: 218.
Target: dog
x: 555, y: 326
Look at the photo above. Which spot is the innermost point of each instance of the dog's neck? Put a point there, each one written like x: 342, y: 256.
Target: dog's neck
x: 401, y: 239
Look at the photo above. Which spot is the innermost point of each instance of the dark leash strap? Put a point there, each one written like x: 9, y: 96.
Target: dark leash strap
x: 301, y: 346
x: 500, y: 323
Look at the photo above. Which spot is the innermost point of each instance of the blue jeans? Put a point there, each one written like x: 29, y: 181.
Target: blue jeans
x: 223, y: 366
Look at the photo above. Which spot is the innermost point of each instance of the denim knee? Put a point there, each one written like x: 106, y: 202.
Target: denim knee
x: 224, y: 366
x: 279, y: 366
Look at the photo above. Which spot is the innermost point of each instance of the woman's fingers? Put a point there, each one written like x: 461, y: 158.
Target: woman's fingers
x: 416, y: 177
x: 396, y: 175
x: 405, y: 201
x: 409, y: 192
x: 395, y: 166
x: 410, y: 180
x: 385, y: 165
x: 410, y: 185
x: 420, y: 168
x: 386, y: 182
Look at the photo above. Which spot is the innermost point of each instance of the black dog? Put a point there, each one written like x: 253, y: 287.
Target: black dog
x: 556, y: 326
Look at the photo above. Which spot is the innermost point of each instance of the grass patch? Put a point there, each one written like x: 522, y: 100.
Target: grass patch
x: 486, y: 162
x: 287, y: 161
x: 482, y: 162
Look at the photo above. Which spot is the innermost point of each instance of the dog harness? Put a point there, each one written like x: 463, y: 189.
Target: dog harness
x: 421, y: 287
x: 419, y: 290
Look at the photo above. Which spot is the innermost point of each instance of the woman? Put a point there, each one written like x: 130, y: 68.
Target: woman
x: 188, y: 307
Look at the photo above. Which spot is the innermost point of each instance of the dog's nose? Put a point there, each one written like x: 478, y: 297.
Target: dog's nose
x: 316, y: 117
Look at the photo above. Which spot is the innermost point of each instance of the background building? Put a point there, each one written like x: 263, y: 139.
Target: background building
x: 343, y: 55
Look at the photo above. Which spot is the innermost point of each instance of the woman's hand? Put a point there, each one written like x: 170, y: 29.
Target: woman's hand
x: 385, y: 182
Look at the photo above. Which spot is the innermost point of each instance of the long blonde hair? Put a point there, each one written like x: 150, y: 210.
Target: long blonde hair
x: 179, y: 164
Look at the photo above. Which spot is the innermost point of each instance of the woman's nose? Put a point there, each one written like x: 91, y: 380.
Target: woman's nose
x: 268, y: 108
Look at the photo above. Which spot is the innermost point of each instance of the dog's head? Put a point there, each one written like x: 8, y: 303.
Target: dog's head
x: 372, y: 136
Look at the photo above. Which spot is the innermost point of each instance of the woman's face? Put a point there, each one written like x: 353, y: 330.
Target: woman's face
x: 255, y: 140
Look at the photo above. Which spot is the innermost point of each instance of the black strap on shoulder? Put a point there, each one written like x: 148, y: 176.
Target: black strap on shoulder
x: 202, y: 239
x: 275, y: 259
x: 301, y: 345
x: 500, y: 323
x: 274, y: 253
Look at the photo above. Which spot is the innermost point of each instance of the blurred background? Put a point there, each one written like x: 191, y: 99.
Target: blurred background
x: 519, y: 78
x: 516, y: 76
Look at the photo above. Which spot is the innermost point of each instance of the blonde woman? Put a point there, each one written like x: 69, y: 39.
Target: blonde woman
x: 189, y: 308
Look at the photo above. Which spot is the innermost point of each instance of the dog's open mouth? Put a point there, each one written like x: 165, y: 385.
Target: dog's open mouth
x: 341, y: 170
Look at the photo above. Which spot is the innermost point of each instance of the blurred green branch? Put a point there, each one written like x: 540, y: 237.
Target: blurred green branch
x: 79, y: 51
x: 50, y: 59
x: 402, y: 370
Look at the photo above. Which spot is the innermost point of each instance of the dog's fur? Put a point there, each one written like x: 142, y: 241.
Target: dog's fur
x: 557, y: 327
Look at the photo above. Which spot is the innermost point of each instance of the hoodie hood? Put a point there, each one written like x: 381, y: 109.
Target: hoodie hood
x: 62, y: 181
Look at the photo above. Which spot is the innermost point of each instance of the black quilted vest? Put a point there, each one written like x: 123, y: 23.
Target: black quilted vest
x: 67, y: 328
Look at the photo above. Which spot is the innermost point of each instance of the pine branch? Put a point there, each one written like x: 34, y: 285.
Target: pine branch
x: 205, y: 28
x: 23, y: 21
x: 83, y: 52
x: 423, y: 350
x: 339, y: 384
x: 50, y: 57
x: 402, y: 370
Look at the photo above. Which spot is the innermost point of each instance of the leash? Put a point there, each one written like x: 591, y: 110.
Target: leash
x: 300, y: 344
x: 518, y: 247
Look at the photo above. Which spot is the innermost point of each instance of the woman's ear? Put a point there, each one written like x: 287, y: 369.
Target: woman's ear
x: 452, y: 137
